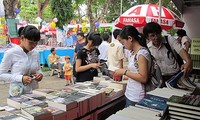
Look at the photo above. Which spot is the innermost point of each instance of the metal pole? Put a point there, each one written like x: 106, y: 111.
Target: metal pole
x: 121, y: 8
x: 160, y: 11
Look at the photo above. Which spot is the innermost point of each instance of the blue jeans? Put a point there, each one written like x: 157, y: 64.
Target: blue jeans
x: 129, y: 103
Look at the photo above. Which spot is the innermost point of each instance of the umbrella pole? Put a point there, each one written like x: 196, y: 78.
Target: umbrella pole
x: 160, y: 11
x: 121, y: 8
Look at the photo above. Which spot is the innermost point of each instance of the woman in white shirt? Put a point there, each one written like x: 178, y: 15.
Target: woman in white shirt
x: 138, y: 67
x: 20, y: 65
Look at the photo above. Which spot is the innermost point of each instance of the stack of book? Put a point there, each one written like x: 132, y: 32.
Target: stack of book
x: 154, y: 103
x: 6, y: 115
x: 135, y: 113
x: 21, y: 102
x: 186, y: 107
x: 36, y: 113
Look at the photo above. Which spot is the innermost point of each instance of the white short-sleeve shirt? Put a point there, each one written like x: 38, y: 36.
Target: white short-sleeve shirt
x: 115, y: 53
x: 135, y: 90
x: 167, y: 63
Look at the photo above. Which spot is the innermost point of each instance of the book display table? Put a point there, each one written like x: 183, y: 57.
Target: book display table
x: 81, y: 101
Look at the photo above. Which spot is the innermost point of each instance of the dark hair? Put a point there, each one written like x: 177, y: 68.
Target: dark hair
x: 105, y: 36
x: 31, y: 33
x: 95, y: 38
x: 152, y: 27
x: 129, y: 30
x: 52, y: 49
x: 20, y: 31
x: 81, y: 34
x: 181, y: 33
x: 116, y: 32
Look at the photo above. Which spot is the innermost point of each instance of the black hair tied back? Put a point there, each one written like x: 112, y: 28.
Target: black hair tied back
x: 95, y: 38
x: 31, y: 33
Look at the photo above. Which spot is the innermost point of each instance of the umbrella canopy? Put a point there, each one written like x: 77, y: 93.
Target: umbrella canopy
x: 139, y: 15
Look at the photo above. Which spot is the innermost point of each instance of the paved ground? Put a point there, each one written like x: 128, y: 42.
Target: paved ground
x: 47, y: 82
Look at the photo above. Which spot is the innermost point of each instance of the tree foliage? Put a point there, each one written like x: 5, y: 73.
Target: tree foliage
x: 63, y: 10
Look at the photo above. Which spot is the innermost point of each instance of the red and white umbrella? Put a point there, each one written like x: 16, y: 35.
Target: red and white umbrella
x: 139, y: 15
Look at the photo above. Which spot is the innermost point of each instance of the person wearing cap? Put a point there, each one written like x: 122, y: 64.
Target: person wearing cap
x: 67, y: 69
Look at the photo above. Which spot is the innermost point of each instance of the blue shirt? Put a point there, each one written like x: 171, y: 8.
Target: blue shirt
x: 69, y: 41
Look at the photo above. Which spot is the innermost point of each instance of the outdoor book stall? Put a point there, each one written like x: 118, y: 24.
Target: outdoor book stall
x: 85, y: 100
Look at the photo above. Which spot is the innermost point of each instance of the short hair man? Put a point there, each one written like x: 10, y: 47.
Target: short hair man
x: 53, y: 60
x: 167, y: 62
x: 115, y: 52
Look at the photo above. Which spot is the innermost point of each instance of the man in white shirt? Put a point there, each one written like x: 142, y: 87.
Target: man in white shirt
x: 183, y: 39
x: 103, y: 48
x: 115, y: 52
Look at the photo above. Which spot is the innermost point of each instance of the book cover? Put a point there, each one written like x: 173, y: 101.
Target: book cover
x: 152, y: 105
x: 57, y: 114
x: 156, y: 98
x: 14, y: 117
x: 34, y: 102
x: 34, y: 96
x: 43, y: 91
x: 187, y: 102
x: 36, y: 113
x: 4, y: 114
x: 172, y: 82
x: 16, y: 102
x: 55, y: 94
x: 7, y: 108
x: 62, y: 103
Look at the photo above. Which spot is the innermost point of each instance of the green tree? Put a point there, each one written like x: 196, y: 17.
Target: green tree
x: 28, y: 11
x: 63, y: 10
x: 96, y: 10
x: 77, y: 8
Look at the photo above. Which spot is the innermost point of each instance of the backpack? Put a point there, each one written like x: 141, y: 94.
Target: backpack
x: 155, y: 76
x: 177, y: 57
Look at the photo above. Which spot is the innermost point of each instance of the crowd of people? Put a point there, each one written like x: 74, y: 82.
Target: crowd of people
x: 20, y: 64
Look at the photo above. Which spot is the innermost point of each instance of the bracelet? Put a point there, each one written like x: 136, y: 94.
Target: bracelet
x: 125, y: 72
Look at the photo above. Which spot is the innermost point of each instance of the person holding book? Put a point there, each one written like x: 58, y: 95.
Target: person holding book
x: 166, y: 60
x: 20, y: 65
x: 67, y: 68
x: 139, y: 64
x: 87, y: 60
x: 115, y: 53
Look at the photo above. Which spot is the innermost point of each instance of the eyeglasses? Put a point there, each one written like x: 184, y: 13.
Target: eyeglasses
x: 153, y: 35
x: 32, y: 42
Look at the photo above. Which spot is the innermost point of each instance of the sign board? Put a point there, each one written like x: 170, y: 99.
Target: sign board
x: 195, y: 46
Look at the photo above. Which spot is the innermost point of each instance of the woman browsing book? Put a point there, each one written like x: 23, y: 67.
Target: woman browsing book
x: 20, y: 65
x: 138, y: 66
x: 87, y: 60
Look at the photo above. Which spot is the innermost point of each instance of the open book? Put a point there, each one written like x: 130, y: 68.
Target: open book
x: 109, y: 71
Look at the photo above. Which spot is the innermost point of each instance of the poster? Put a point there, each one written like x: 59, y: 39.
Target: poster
x: 3, y: 30
x: 195, y: 46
